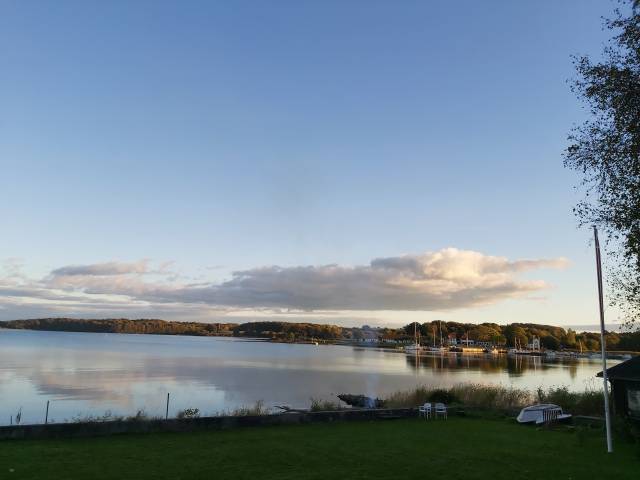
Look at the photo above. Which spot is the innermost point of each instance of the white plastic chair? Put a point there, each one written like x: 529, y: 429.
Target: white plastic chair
x: 425, y: 410
x: 441, y: 410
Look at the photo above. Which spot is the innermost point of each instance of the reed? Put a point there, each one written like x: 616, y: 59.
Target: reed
x: 324, y: 405
x: 588, y: 402
x: 258, y: 408
x: 500, y: 398
x: 108, y: 416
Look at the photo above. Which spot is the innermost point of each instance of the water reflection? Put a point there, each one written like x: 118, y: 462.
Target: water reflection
x: 83, y: 373
x: 512, y: 365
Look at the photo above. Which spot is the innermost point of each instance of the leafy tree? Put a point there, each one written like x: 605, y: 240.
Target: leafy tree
x: 612, y: 340
x: 483, y: 333
x: 499, y: 339
x: 605, y: 150
x: 630, y: 341
x: 569, y: 340
x: 592, y: 344
x: 516, y: 334
x: 425, y: 331
x: 411, y: 328
x: 550, y: 342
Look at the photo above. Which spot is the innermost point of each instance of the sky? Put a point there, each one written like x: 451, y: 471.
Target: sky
x: 351, y: 162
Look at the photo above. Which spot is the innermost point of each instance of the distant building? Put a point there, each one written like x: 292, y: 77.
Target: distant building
x: 370, y: 336
x: 625, y: 385
x: 535, y: 344
x: 452, y: 339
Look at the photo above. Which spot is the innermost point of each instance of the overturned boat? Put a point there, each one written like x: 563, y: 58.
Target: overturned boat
x: 542, y: 413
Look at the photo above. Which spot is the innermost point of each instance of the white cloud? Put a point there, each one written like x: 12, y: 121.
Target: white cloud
x: 445, y: 280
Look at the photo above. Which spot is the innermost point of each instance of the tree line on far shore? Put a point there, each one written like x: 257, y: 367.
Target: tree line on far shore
x: 551, y: 337
x: 121, y: 325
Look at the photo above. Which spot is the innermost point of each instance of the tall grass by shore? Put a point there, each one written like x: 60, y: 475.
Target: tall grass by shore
x: 500, y: 398
x: 487, y: 398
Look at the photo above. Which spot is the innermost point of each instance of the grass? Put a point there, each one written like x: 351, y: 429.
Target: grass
x: 457, y: 448
x: 257, y: 409
x: 108, y: 416
x: 499, y: 398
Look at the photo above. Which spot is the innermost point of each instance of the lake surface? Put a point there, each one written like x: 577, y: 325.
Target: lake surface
x: 89, y: 373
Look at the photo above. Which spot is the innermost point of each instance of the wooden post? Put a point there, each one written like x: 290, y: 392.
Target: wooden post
x: 46, y: 415
x: 166, y: 416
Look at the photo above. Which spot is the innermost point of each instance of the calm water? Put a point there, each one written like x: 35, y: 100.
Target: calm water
x: 90, y: 373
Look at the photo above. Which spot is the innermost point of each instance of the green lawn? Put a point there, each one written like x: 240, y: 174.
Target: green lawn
x: 398, y: 449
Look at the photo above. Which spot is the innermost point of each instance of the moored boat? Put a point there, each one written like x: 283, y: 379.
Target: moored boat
x: 437, y: 349
x: 413, y: 349
x: 416, y: 348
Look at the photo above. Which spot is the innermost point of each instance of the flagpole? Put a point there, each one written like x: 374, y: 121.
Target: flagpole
x: 603, y: 348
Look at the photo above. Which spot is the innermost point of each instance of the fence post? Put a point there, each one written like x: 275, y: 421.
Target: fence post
x: 46, y: 415
x: 166, y: 416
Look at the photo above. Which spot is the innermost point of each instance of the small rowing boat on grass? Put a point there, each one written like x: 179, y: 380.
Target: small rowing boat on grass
x: 542, y: 413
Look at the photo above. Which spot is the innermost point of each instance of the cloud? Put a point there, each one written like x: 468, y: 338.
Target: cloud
x: 443, y: 280
x: 103, y: 269
x: 447, y: 279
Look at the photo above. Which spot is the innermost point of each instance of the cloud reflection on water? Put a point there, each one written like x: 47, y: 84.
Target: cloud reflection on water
x: 91, y: 373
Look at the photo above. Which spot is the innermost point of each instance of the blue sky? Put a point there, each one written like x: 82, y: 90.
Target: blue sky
x: 214, y: 137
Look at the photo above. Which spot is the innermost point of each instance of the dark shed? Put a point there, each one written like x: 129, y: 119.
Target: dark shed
x: 625, y: 386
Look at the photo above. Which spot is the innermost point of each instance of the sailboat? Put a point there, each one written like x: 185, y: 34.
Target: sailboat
x: 517, y: 350
x: 441, y: 348
x: 415, y: 348
x: 582, y: 354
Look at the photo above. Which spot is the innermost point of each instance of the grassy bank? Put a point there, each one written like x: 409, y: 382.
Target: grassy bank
x: 456, y: 448
x: 498, y: 398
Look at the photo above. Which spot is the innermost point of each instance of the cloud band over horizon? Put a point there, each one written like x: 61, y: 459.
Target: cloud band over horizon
x: 447, y: 279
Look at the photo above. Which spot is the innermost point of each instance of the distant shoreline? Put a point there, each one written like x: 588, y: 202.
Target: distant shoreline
x: 549, y: 337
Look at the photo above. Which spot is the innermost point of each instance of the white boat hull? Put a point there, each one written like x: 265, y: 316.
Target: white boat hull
x: 535, y: 414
